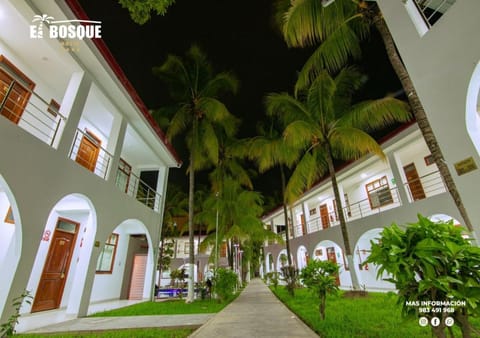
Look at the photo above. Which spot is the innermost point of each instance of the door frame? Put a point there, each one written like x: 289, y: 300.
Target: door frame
x: 59, y: 295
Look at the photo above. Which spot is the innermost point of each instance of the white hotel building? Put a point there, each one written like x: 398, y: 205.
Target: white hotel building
x: 83, y: 172
x: 438, y: 42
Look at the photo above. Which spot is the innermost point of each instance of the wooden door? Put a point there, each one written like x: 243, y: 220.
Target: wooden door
x: 304, y: 226
x: 13, y: 98
x: 414, y: 183
x: 324, y: 216
x: 88, y: 151
x: 137, y: 280
x: 55, y: 271
x: 333, y: 258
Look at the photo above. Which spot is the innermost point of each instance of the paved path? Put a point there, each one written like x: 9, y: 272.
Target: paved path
x: 255, y: 313
x: 112, y: 323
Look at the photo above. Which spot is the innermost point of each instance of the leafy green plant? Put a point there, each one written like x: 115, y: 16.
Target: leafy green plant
x: 225, y: 282
x: 178, y: 277
x: 272, y: 277
x: 8, y: 329
x: 290, y: 276
x: 431, y: 262
x: 320, y: 278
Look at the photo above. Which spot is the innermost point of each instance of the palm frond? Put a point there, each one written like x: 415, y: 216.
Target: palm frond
x: 353, y: 143
x: 377, y: 114
x: 285, y: 106
x: 304, y: 175
x: 222, y: 83
x: 332, y: 55
x: 179, y: 122
x: 218, y: 113
x: 319, y: 99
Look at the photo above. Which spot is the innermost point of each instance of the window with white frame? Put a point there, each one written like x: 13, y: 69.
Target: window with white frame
x: 379, y: 192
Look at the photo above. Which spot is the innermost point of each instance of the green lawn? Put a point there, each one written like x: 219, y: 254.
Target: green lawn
x: 168, y: 307
x: 144, y: 333
x: 376, y: 315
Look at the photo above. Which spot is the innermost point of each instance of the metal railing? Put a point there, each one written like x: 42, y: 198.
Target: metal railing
x: 29, y: 110
x: 140, y: 190
x: 432, y: 10
x: 431, y: 184
x: 87, y: 152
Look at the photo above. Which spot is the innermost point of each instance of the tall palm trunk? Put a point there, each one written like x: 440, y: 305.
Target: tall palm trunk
x: 287, y: 232
x: 191, y: 208
x: 341, y: 216
x: 420, y: 116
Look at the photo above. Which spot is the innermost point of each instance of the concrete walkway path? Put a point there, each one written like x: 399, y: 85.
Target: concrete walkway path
x: 132, y: 322
x: 255, y: 313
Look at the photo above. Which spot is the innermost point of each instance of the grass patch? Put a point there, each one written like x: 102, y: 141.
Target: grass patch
x: 375, y: 315
x: 128, y: 333
x: 168, y: 307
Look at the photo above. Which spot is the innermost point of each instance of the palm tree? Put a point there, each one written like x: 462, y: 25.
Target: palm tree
x: 239, y: 212
x: 327, y: 126
x: 269, y: 150
x: 194, y: 87
x: 338, y: 29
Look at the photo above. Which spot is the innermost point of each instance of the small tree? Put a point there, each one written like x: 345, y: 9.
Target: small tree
x: 290, y: 274
x: 225, y: 282
x: 431, y: 262
x: 320, y: 278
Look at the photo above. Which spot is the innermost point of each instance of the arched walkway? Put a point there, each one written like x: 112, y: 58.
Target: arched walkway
x: 124, y: 268
x: 302, y: 257
x: 367, y: 273
x: 328, y: 250
x: 10, y: 239
x: 58, y: 276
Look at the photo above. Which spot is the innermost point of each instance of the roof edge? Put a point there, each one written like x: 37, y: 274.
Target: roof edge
x: 79, y: 12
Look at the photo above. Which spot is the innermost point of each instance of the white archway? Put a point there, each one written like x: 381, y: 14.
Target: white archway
x: 131, y: 239
x: 269, y: 263
x: 10, y: 239
x: 472, y: 109
x: 79, y: 210
x: 328, y: 250
x: 367, y: 273
x: 302, y: 257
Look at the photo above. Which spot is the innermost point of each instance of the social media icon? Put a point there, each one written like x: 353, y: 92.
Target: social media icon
x: 435, y: 321
x: 423, y: 321
x: 449, y: 321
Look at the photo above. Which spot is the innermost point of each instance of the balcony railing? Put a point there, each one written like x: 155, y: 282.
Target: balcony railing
x: 87, y: 152
x: 424, y: 187
x: 29, y: 110
x: 140, y: 190
x: 432, y: 10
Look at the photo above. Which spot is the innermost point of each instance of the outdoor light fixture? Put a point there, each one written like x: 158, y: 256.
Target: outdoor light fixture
x: 326, y: 3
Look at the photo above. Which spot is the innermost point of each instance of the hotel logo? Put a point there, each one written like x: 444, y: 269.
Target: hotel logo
x: 45, y: 26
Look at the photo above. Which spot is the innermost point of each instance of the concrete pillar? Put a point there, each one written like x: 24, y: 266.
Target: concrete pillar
x: 394, y: 166
x: 72, y: 107
x: 117, y: 136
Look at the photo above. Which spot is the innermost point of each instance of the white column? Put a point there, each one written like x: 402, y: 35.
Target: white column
x: 394, y: 165
x: 117, y: 137
x: 72, y: 107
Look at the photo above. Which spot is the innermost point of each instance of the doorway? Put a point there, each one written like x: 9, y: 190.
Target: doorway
x: 324, y: 216
x: 414, y: 183
x: 88, y: 151
x: 55, y: 271
x: 333, y: 258
x: 137, y: 280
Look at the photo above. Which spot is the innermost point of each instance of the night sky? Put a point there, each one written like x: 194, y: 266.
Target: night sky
x: 237, y: 36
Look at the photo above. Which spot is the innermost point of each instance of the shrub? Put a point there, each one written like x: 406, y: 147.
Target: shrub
x: 431, y: 262
x: 225, y: 282
x: 320, y: 278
